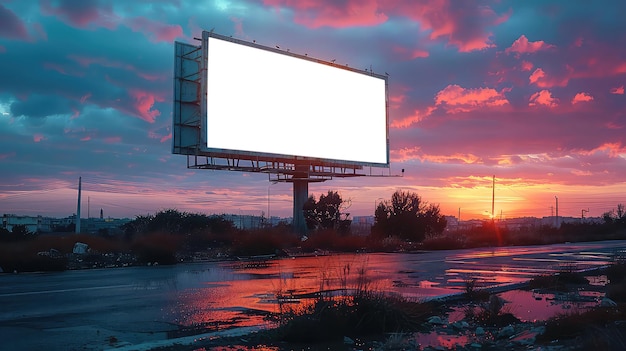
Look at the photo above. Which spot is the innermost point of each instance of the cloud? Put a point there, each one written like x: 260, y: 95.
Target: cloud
x: 544, y: 98
x: 37, y: 137
x: 82, y: 14
x: 11, y: 26
x: 156, y: 31
x: 409, y: 53
x: 458, y: 99
x: 415, y: 117
x: 143, y: 103
x: 581, y: 97
x: 464, y: 24
x: 40, y: 106
x: 523, y: 46
x: 334, y: 14
x: 542, y: 80
x: 618, y: 90
x: 527, y: 66
x: 612, y: 150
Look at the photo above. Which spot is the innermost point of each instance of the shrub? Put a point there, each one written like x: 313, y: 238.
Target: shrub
x: 156, y: 247
x: 364, y: 314
x: 574, y: 324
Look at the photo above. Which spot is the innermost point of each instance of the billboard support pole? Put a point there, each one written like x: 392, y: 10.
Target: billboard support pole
x: 300, y: 195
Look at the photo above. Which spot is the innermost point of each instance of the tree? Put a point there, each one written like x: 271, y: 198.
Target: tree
x: 325, y: 213
x: 408, y: 217
x: 19, y: 232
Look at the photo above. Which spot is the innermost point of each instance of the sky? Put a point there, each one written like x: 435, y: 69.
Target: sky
x: 531, y: 92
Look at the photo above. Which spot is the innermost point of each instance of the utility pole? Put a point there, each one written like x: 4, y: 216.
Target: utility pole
x: 582, y: 214
x: 493, y: 197
x: 77, y: 223
x: 557, y: 211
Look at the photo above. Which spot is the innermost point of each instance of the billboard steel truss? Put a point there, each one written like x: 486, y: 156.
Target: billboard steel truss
x: 189, y: 128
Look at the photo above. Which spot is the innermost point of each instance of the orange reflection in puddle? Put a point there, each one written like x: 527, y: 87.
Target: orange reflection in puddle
x: 534, y: 306
x: 435, y: 339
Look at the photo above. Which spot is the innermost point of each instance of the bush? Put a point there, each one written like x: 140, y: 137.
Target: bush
x: 156, y: 247
x: 360, y: 314
x: 574, y: 324
x: 447, y: 242
x: 262, y: 242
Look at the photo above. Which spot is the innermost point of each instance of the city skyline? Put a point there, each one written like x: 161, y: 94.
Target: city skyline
x: 531, y: 93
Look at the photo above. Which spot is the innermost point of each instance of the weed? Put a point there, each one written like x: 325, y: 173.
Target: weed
x: 472, y: 293
x: 574, y: 324
x: 358, y: 310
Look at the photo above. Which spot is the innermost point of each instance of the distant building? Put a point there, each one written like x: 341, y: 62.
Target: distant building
x: 110, y: 226
x: 362, y: 225
x: 34, y: 224
x: 40, y: 224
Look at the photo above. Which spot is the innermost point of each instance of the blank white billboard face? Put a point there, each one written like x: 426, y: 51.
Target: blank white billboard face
x: 271, y: 103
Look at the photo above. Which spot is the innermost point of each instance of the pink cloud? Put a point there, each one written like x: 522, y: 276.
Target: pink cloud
x: 581, y: 97
x: 523, y: 46
x: 86, y: 138
x: 408, y: 53
x: 544, y: 98
x: 75, y: 114
x: 527, y: 66
x: 143, y: 104
x: 166, y: 138
x: 112, y: 140
x: 11, y: 26
x: 82, y: 14
x: 454, y: 158
x: 404, y: 154
x: 238, y: 26
x: 618, y: 90
x: 84, y: 98
x: 334, y: 14
x: 37, y: 137
x: 612, y: 150
x: 578, y: 42
x: 542, y: 80
x: 156, y: 31
x: 459, y: 99
x: 416, y: 117
x: 464, y: 24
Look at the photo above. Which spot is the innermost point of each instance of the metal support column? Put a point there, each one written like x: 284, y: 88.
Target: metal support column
x: 300, y: 195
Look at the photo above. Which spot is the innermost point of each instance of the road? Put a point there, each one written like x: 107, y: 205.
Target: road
x: 101, y: 308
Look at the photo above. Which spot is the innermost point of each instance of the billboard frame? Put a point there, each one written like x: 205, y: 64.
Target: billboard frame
x: 189, y: 134
x: 189, y: 125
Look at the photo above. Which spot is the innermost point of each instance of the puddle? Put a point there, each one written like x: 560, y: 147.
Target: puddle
x: 444, y: 340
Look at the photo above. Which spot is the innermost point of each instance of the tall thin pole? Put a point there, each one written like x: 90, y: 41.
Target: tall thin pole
x: 493, y: 197
x: 557, y: 211
x: 77, y: 224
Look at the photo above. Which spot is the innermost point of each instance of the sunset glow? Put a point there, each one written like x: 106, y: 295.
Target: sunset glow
x: 530, y: 92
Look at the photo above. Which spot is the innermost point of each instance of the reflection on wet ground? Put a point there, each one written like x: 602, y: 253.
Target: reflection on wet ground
x: 241, y: 293
x: 134, y: 305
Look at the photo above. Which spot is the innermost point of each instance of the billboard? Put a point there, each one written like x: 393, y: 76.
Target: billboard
x: 263, y: 102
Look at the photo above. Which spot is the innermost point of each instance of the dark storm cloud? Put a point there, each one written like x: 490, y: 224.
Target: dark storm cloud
x: 11, y: 26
